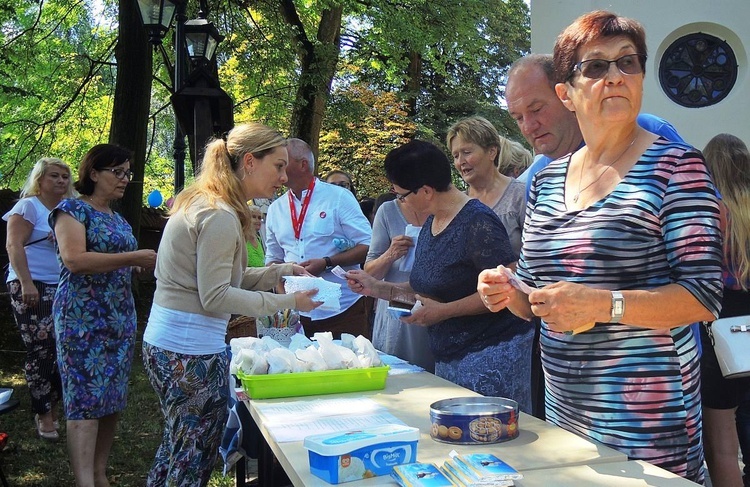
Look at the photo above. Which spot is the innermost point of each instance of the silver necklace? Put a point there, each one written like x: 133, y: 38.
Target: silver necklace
x: 583, y: 165
x: 95, y: 206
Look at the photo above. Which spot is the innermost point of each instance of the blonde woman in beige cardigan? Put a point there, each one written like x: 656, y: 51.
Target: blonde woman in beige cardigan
x: 202, y: 279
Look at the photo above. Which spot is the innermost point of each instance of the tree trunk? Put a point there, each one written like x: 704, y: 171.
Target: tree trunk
x: 318, y: 66
x: 131, y: 105
x: 413, y: 77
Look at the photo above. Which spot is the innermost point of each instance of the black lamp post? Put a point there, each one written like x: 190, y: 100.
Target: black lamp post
x: 197, y: 39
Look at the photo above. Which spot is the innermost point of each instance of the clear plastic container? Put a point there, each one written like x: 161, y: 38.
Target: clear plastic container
x: 346, y: 456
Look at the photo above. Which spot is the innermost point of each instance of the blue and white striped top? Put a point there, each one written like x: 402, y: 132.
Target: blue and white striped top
x: 631, y: 388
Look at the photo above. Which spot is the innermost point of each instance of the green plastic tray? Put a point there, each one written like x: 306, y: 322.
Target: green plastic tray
x: 313, y: 383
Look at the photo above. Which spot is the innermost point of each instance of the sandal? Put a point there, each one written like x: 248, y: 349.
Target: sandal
x: 45, y: 435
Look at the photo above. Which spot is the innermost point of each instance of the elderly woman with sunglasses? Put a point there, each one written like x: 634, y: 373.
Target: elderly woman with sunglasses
x: 93, y: 309
x: 622, y: 248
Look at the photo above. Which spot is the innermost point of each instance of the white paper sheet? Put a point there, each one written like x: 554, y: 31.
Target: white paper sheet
x: 328, y: 292
x: 293, y: 421
x: 407, y: 261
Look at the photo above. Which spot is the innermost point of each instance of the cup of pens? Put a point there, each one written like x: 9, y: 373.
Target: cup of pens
x: 280, y: 326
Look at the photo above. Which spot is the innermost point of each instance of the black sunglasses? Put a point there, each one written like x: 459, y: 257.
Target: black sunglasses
x: 598, y: 68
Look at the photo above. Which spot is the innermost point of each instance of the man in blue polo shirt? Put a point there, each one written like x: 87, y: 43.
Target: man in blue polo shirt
x: 550, y: 128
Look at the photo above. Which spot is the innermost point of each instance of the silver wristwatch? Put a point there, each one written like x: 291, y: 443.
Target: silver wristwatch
x: 618, y: 307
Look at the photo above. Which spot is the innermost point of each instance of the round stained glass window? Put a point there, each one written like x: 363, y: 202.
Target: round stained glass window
x: 698, y: 70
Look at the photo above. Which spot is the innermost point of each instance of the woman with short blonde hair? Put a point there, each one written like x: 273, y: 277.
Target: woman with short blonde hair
x: 256, y: 254
x: 516, y: 160
x: 33, y: 275
x: 477, y: 149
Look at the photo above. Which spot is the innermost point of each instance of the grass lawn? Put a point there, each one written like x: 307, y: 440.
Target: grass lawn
x: 29, y: 461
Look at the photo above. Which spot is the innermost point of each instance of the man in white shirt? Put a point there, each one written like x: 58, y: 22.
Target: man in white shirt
x: 301, y: 226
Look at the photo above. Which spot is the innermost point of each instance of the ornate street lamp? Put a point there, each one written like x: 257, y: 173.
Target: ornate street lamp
x: 202, y: 109
x: 157, y: 17
x: 201, y: 39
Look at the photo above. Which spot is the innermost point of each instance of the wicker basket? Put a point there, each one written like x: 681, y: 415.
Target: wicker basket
x: 241, y: 326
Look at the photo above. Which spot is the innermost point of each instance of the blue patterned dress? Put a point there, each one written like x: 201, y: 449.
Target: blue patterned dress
x: 634, y: 389
x: 95, y: 319
x: 489, y: 353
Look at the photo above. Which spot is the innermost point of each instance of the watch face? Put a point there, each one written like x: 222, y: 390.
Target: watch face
x: 618, y: 306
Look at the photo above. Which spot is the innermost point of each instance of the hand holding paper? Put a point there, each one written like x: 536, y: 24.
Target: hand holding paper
x: 496, y: 289
x: 407, y: 261
x: 328, y: 292
x: 515, y: 281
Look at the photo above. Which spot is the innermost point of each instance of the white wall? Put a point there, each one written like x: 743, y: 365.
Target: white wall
x: 665, y: 21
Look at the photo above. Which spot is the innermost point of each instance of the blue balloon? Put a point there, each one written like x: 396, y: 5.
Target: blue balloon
x: 155, y: 198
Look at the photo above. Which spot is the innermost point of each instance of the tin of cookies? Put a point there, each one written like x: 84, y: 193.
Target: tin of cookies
x: 474, y: 420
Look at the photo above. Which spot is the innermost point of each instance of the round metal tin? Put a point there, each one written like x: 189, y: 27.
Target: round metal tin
x: 474, y: 420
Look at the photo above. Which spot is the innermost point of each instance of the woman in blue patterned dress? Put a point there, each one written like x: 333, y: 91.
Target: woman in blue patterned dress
x: 93, y: 308
x: 487, y: 353
x: 622, y: 237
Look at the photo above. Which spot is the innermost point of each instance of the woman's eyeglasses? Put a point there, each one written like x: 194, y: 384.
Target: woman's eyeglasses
x: 119, y: 172
x: 598, y: 68
x: 343, y: 184
x: 402, y: 197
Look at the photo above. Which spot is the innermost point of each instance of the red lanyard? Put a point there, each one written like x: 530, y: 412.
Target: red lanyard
x: 297, y: 221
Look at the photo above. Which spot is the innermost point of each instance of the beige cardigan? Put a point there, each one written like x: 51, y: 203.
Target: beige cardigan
x: 201, y: 267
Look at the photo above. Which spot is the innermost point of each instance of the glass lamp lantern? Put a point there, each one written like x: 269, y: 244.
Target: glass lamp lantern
x: 201, y: 39
x: 157, y: 16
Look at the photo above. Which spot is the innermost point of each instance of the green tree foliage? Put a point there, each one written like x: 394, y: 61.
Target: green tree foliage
x: 258, y: 62
x: 288, y: 54
x: 405, y: 68
x: 448, y: 58
x: 361, y: 128
x: 440, y: 61
x: 56, y: 83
